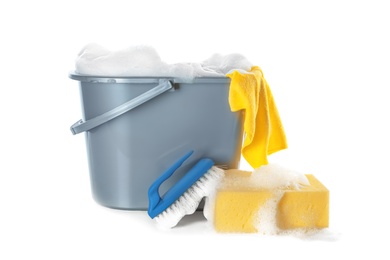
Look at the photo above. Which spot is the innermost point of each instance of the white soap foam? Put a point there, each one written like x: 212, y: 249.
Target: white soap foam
x: 277, y: 179
x: 265, y: 221
x: 274, y: 176
x: 270, y: 177
x: 134, y: 61
x: 144, y: 61
x: 225, y: 64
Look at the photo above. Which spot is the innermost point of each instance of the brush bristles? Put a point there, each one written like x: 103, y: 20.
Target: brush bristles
x: 189, y: 201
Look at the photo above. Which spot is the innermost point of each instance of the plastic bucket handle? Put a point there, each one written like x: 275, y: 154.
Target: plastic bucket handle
x: 82, y: 126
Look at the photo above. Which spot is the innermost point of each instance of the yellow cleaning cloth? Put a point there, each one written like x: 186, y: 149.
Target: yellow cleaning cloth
x: 263, y: 127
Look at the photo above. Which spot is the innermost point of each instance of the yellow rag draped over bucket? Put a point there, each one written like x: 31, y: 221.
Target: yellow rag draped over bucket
x: 263, y: 128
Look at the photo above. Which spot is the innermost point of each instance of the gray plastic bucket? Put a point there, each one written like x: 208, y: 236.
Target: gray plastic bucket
x: 136, y: 128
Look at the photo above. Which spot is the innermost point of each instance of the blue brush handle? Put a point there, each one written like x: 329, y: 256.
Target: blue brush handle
x: 158, y: 204
x: 154, y: 197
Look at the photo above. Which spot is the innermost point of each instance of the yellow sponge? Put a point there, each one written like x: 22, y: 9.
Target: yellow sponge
x: 237, y: 207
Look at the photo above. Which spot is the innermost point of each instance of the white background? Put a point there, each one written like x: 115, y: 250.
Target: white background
x: 327, y: 63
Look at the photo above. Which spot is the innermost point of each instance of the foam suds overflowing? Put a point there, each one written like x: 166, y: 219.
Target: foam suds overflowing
x: 144, y: 61
x: 265, y: 220
x: 270, y: 177
x: 277, y: 179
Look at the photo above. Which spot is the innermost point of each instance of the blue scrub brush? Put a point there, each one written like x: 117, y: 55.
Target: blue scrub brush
x: 184, y: 197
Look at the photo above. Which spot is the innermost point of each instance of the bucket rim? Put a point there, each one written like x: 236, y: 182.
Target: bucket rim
x: 124, y: 79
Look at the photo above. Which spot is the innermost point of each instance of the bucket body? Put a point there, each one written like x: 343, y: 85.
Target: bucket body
x: 128, y: 153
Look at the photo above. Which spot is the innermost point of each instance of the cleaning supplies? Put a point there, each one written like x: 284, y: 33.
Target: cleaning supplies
x: 242, y: 207
x: 263, y: 127
x: 184, y: 197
